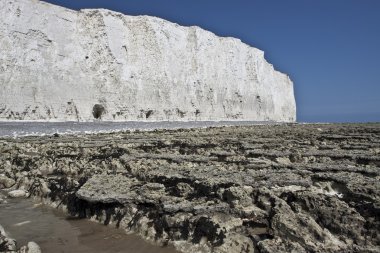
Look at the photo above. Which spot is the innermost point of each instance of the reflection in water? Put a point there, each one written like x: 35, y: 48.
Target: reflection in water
x: 26, y: 221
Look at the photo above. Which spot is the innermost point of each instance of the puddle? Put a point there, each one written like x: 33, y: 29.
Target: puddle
x: 25, y: 221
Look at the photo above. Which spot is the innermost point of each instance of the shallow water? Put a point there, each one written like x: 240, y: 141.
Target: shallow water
x: 23, y: 128
x: 26, y: 221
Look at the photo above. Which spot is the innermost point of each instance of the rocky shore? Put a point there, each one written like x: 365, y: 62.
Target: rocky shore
x: 267, y: 188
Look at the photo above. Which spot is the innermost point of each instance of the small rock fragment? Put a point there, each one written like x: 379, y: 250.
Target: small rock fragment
x: 17, y: 194
x: 32, y: 247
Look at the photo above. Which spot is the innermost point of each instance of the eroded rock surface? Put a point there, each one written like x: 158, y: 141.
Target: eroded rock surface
x: 270, y: 188
x: 60, y: 64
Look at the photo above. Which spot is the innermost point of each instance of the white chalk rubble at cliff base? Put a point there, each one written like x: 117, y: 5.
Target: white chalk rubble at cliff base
x: 59, y: 64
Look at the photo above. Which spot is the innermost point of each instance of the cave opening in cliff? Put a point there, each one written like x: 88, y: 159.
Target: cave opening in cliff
x: 97, y: 111
x: 148, y: 113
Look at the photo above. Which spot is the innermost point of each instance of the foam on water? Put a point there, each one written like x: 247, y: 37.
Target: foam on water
x: 28, y: 128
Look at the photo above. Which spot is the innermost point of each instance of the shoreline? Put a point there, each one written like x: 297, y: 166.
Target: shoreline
x: 20, y: 129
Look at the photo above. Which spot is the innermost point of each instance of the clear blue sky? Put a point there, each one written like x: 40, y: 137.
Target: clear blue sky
x: 330, y: 48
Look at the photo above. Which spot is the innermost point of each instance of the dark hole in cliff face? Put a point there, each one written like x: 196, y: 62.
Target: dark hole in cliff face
x: 97, y: 111
x: 148, y: 113
x: 258, y: 99
x: 181, y: 113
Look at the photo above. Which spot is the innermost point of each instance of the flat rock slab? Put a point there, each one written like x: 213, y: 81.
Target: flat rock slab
x: 120, y: 189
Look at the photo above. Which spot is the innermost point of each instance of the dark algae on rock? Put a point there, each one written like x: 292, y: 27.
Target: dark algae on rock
x: 262, y: 188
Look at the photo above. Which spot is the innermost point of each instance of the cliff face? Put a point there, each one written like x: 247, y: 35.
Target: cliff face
x: 60, y: 64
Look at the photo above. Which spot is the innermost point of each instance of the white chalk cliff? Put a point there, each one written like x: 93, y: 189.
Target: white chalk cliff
x: 61, y: 64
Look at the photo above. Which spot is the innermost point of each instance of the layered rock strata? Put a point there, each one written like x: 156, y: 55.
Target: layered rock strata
x: 60, y: 64
x: 278, y: 188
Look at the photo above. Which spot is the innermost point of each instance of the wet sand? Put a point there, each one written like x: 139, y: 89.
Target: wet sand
x: 25, y: 221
